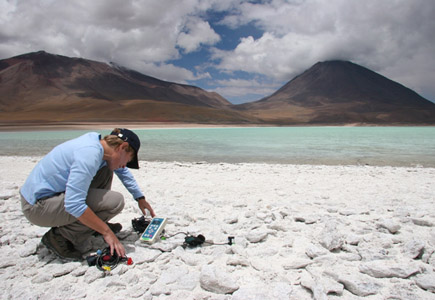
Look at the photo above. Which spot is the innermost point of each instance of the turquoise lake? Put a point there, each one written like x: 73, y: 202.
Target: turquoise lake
x: 381, y: 146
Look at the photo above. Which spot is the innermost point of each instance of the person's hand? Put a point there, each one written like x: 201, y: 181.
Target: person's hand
x: 114, y: 244
x: 144, y: 205
x: 90, y: 219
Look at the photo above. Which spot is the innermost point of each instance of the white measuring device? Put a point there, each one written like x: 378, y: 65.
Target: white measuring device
x: 153, y: 230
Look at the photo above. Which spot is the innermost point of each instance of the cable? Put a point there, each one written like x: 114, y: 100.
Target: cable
x: 104, y: 261
x: 107, y: 262
x: 170, y: 236
x: 230, y: 242
x: 194, y: 241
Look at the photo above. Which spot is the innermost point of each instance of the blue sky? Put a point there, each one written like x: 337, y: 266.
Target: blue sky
x: 244, y: 50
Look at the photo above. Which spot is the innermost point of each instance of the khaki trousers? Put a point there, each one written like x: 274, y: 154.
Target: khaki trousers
x: 50, y: 212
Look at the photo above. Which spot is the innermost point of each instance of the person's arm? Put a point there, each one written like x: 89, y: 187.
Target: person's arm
x: 85, y: 164
x: 90, y: 219
x: 131, y: 185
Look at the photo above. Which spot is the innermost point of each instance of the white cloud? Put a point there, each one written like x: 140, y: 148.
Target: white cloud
x: 281, y: 17
x: 197, y: 32
x: 167, y: 72
x: 276, y: 57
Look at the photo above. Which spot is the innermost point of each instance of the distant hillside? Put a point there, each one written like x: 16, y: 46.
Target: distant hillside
x: 45, y: 88
x: 337, y: 92
x: 40, y: 87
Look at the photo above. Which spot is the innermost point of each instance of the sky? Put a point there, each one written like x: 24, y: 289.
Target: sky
x: 243, y: 50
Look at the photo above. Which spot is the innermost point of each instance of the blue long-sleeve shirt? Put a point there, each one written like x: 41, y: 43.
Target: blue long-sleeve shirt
x: 70, y: 168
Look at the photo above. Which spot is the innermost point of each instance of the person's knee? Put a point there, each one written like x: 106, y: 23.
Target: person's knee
x: 121, y: 204
x: 105, y: 200
x: 117, y: 199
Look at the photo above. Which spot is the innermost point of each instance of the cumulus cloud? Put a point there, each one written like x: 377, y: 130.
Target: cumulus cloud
x: 275, y: 57
x: 168, y: 72
x: 197, y: 32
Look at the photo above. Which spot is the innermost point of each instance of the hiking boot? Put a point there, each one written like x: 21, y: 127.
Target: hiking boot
x: 60, y: 245
x: 115, y: 227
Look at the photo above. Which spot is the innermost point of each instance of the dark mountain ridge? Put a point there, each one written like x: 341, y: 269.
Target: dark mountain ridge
x: 341, y: 91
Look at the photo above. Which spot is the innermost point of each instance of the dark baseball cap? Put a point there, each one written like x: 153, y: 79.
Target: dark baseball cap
x: 133, y: 140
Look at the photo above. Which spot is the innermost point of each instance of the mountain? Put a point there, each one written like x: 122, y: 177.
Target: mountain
x: 41, y: 87
x: 47, y: 88
x: 337, y: 92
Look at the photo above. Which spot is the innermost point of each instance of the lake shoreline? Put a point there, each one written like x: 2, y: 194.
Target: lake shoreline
x: 51, y: 126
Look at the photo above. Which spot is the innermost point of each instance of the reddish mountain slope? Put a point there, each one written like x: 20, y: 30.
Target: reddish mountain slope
x: 45, y: 87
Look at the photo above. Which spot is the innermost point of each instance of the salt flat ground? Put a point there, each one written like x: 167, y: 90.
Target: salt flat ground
x: 301, y: 232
